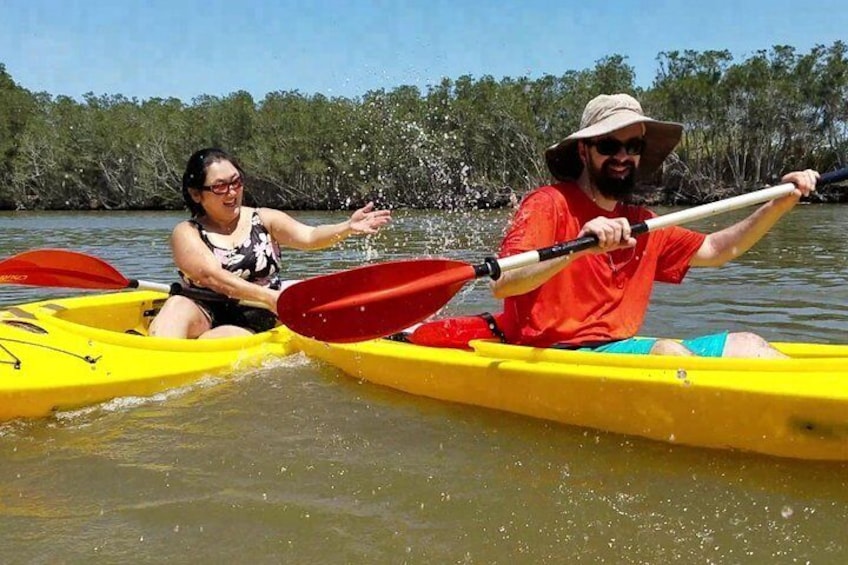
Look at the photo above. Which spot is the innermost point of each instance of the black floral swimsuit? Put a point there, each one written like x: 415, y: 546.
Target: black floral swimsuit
x: 256, y: 260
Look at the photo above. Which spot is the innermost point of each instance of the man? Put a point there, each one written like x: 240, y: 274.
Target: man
x: 598, y: 298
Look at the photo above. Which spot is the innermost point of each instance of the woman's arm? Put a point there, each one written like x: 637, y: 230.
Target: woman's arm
x: 291, y: 233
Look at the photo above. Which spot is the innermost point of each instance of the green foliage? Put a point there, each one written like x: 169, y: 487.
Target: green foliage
x: 17, y: 108
x: 463, y: 142
x: 747, y: 122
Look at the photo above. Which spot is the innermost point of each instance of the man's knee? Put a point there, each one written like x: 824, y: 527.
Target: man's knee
x: 669, y: 347
x: 747, y: 344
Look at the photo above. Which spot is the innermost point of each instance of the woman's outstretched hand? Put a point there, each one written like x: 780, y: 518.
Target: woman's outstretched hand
x: 367, y: 220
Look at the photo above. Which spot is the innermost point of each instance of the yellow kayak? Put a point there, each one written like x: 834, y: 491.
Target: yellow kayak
x: 67, y: 353
x: 791, y: 408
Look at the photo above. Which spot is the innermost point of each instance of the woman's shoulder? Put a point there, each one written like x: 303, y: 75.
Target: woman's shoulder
x: 187, y: 225
x: 268, y: 215
x: 187, y: 232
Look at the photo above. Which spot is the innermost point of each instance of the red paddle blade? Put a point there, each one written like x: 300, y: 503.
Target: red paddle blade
x: 60, y: 268
x: 371, y: 301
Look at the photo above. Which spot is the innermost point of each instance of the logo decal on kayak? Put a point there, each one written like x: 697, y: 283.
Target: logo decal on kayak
x: 12, y: 278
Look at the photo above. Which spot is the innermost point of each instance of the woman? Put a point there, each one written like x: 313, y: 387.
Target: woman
x: 234, y: 250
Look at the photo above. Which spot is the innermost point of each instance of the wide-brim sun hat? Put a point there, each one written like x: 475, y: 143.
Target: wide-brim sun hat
x: 603, y: 115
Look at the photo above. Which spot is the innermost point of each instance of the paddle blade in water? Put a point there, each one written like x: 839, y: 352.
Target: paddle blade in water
x: 60, y: 268
x: 371, y: 301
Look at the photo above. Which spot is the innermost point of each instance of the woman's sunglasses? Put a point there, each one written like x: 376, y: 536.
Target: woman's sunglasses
x: 224, y: 187
x: 610, y: 146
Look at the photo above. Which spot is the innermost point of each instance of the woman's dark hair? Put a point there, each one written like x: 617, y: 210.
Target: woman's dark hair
x: 195, y: 174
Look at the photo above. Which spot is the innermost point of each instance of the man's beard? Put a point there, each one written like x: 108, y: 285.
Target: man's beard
x: 619, y: 189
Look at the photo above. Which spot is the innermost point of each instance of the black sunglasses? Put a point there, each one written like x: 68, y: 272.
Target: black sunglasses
x: 610, y: 146
x: 224, y: 187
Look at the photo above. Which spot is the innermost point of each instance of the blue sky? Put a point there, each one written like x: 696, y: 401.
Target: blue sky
x: 164, y: 48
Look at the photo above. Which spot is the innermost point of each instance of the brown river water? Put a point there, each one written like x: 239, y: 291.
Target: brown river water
x: 297, y: 463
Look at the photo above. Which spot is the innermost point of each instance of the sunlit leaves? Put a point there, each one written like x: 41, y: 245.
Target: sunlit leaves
x: 463, y: 142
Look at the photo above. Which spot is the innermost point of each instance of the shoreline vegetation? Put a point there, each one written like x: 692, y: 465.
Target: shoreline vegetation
x: 462, y: 143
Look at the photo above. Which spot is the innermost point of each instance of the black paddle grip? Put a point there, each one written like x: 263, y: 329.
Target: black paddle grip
x: 582, y: 243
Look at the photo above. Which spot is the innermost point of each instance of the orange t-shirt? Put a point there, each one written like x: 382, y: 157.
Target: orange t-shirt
x: 598, y: 297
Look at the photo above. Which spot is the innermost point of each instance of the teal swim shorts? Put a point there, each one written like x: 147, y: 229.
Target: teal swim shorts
x: 704, y: 346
